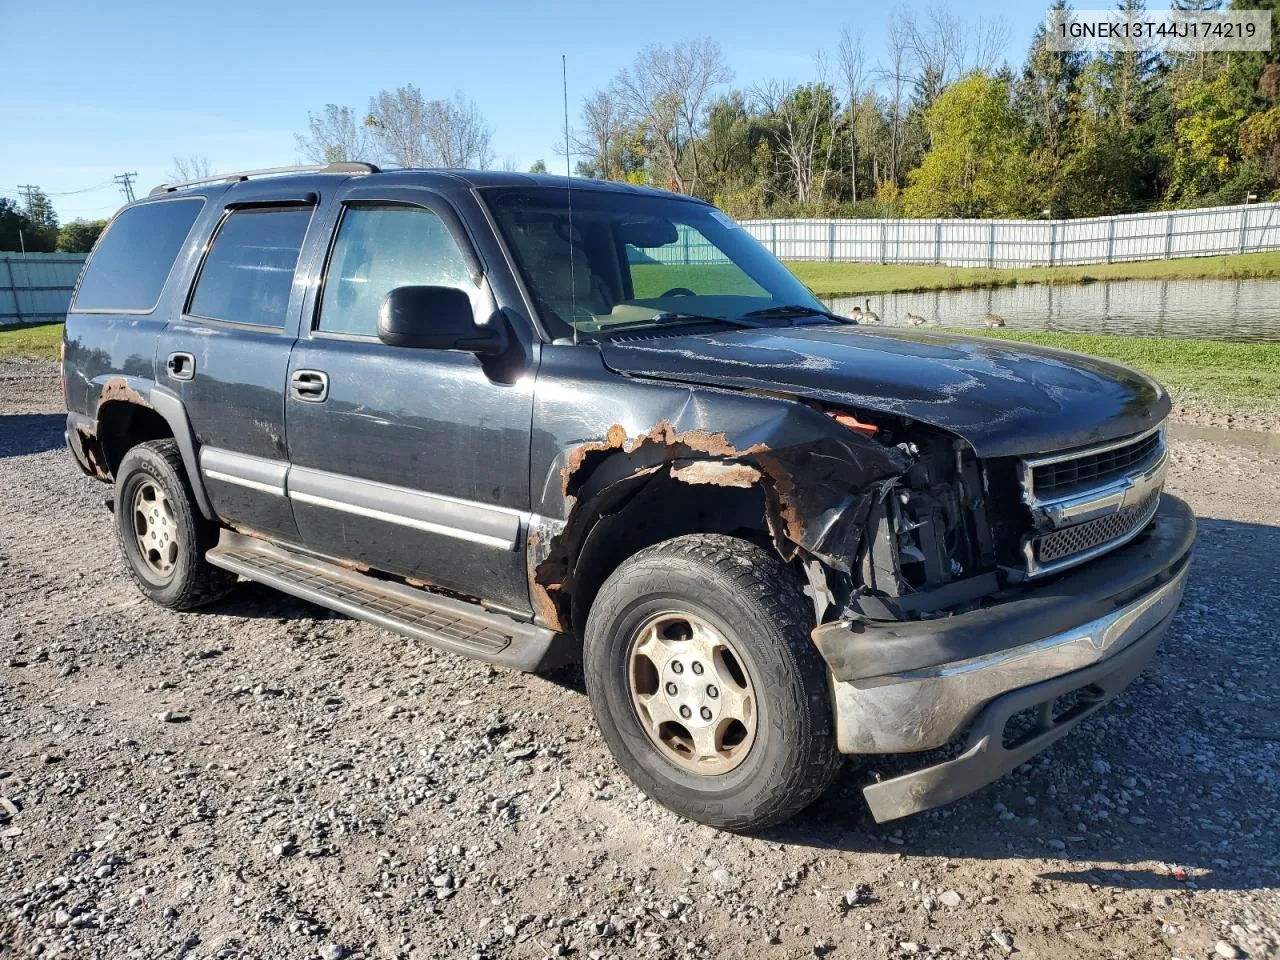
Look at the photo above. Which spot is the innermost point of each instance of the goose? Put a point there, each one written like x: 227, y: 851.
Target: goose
x: 869, y: 315
x: 855, y: 314
x: 991, y: 320
x: 915, y: 320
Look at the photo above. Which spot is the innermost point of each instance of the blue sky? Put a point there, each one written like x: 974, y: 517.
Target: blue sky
x: 92, y: 89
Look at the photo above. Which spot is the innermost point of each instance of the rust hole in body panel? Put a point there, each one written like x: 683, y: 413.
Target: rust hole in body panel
x: 718, y: 473
x: 550, y: 561
x: 663, y: 435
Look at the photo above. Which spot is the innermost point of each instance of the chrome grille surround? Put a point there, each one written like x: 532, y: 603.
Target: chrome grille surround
x: 1072, y: 523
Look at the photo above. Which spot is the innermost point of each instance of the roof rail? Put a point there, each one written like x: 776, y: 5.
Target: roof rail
x: 354, y: 166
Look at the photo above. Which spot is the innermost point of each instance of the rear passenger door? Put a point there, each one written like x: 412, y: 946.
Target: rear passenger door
x: 227, y: 354
x: 412, y: 461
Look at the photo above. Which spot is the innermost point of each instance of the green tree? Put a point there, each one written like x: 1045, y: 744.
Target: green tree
x: 1206, y: 138
x: 1101, y: 170
x: 1045, y: 94
x: 977, y: 166
x: 11, y: 221
x: 40, y: 232
x: 79, y: 236
x: 539, y: 166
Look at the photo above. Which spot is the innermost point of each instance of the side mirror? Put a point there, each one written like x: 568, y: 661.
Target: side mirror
x: 436, y: 318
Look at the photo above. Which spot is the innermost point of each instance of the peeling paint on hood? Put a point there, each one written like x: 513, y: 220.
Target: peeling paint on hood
x: 1003, y: 398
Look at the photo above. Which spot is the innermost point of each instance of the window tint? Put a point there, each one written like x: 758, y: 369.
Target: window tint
x: 248, y: 273
x: 128, y: 269
x: 377, y: 249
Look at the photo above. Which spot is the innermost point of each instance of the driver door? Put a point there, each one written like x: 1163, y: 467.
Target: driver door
x: 411, y: 461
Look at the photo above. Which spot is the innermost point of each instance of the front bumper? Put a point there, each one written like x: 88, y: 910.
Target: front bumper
x: 910, y: 687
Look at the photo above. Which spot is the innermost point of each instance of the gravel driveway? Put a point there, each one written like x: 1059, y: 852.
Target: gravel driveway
x: 263, y: 779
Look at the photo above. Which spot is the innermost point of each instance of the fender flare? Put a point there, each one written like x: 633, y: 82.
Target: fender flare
x: 169, y: 405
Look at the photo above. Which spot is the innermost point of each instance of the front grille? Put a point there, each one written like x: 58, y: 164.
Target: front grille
x: 1069, y: 541
x: 1066, y: 476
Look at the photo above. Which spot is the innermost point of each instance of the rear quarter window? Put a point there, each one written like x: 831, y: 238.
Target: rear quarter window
x: 132, y: 261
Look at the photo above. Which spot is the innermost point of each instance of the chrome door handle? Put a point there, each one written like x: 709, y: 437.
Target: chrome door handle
x: 311, y: 386
x: 181, y: 366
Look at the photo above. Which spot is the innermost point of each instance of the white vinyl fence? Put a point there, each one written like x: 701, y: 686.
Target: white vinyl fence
x: 1009, y: 243
x: 36, y: 287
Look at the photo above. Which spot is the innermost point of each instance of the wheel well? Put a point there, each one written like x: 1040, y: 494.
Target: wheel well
x: 123, y: 425
x: 662, y: 509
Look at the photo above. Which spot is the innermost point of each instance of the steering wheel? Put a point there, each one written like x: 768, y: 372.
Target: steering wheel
x: 679, y: 292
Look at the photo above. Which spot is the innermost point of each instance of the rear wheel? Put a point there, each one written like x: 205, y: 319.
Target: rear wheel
x: 706, y: 685
x: 161, y: 530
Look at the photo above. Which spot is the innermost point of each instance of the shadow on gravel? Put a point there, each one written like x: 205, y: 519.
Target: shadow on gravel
x: 26, y: 433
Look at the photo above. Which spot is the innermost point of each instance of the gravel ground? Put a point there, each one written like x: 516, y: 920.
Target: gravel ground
x: 262, y: 779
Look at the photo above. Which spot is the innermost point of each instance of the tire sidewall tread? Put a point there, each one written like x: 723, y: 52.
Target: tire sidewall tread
x: 753, y: 596
x: 195, y: 582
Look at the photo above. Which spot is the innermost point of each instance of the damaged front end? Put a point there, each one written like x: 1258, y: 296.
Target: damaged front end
x: 885, y: 517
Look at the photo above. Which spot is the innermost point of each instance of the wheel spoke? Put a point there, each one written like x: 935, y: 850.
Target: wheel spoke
x: 706, y: 742
x: 656, y: 710
x: 654, y: 648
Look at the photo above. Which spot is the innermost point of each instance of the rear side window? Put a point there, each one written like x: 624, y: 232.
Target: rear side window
x: 132, y: 261
x: 248, y: 273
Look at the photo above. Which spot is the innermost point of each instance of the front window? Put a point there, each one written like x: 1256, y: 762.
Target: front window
x: 380, y: 247
x: 635, y: 261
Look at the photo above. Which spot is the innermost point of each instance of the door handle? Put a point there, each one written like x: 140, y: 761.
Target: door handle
x: 311, y: 386
x: 181, y: 366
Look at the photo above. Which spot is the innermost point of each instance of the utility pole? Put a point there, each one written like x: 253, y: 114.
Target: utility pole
x: 126, y: 184
x: 28, y: 191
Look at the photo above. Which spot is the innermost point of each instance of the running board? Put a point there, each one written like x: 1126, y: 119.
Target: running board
x: 454, y: 626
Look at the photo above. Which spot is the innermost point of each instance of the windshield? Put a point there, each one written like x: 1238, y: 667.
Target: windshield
x: 633, y: 262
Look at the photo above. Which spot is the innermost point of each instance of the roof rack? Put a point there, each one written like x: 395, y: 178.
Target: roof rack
x: 355, y: 166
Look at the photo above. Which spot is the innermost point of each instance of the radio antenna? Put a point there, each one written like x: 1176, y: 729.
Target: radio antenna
x: 568, y: 187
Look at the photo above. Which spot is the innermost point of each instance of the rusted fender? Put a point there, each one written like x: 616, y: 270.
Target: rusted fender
x: 817, y: 476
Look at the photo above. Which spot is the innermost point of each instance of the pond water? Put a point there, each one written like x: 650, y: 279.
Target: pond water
x: 1212, y: 309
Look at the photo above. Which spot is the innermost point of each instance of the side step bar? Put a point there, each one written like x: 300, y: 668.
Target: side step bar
x: 454, y: 626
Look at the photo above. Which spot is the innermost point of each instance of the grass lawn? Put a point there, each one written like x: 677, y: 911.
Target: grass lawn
x: 31, y: 341
x: 856, y: 279
x: 1220, y: 373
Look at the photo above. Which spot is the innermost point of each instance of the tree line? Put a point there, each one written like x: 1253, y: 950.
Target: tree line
x: 32, y: 226
x: 935, y: 124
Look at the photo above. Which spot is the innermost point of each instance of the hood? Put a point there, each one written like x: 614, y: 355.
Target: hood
x: 1004, y: 398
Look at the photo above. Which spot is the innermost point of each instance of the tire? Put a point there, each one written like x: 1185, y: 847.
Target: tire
x: 154, y: 504
x: 753, y: 602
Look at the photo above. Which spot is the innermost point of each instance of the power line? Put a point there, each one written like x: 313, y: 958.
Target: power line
x: 28, y: 191
x: 69, y: 193
x: 126, y: 184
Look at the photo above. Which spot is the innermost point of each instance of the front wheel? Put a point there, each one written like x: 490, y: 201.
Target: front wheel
x: 705, y: 684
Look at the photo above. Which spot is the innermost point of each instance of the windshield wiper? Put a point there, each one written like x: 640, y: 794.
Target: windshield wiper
x: 797, y: 310
x: 672, y: 317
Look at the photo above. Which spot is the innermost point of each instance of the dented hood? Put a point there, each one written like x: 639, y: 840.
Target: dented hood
x: 1004, y: 398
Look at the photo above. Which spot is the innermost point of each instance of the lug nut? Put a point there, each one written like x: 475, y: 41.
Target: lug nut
x: 677, y: 667
x: 697, y: 668
x: 712, y: 691
x: 686, y: 712
x: 706, y: 713
x: 671, y: 689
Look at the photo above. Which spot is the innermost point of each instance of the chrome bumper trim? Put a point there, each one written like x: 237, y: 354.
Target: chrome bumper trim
x: 923, y: 709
